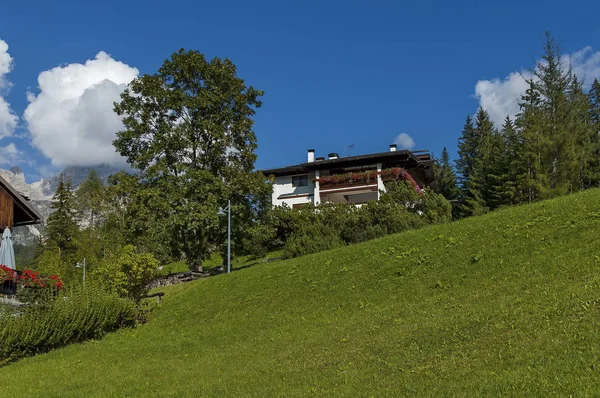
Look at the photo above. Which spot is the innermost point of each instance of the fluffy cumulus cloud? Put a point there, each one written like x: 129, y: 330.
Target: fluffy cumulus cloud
x: 10, y: 155
x: 8, y: 120
x: 71, y: 119
x: 500, y: 97
x: 404, y: 141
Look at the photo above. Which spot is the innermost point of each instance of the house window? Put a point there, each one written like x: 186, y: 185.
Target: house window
x: 300, y: 181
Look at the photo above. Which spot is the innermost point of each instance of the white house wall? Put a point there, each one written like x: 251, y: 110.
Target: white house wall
x: 283, y: 186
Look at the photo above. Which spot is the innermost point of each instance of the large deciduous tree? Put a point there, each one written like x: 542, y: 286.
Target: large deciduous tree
x: 188, y: 130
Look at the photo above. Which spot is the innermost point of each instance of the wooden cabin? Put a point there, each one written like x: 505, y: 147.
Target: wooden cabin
x: 15, y: 210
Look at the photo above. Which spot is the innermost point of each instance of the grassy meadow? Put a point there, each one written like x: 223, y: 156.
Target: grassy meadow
x: 506, y: 304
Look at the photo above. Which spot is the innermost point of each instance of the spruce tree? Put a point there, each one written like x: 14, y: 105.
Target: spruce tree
x: 90, y: 197
x: 593, y: 166
x: 552, y: 82
x: 467, y: 146
x: 498, y: 184
x: 465, y: 166
x: 530, y: 125
x: 515, y: 185
x: 578, y: 148
x: 445, y: 178
x: 62, y: 228
x: 477, y: 188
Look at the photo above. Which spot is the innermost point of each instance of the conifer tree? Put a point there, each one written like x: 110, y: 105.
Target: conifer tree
x: 530, y: 126
x: 467, y: 146
x: 515, y: 184
x: 578, y: 147
x: 594, y: 135
x: 445, y: 177
x: 466, y: 166
x: 476, y: 188
x: 552, y: 82
x: 90, y: 197
x: 62, y: 228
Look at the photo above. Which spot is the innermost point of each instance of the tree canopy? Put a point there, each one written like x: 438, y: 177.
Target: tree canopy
x: 188, y: 130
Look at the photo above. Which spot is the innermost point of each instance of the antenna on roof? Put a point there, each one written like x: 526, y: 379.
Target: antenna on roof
x: 348, y: 147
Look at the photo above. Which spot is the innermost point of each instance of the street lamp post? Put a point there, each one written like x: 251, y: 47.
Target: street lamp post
x: 80, y: 266
x: 221, y: 211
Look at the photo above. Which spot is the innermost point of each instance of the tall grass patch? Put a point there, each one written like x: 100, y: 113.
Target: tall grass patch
x: 77, y: 316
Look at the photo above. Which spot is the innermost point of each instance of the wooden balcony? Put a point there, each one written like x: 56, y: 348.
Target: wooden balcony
x: 362, y: 179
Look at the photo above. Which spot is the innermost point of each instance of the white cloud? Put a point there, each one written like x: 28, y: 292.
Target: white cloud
x: 10, y: 155
x: 8, y: 120
x: 71, y: 120
x: 404, y: 141
x: 500, y: 97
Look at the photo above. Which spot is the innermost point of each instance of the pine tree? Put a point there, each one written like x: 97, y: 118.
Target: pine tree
x: 90, y: 197
x: 62, y: 228
x: 515, y: 184
x: 578, y: 148
x: 497, y: 172
x: 552, y: 83
x: 465, y: 166
x: 476, y: 190
x: 467, y: 146
x: 445, y: 178
x: 530, y: 126
x: 593, y: 165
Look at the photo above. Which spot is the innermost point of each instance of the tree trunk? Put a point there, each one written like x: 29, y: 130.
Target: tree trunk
x: 195, y: 265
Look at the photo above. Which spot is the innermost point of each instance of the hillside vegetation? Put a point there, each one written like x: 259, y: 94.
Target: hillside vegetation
x: 503, y: 304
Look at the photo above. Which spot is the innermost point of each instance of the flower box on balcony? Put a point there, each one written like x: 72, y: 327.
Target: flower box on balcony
x: 365, y: 178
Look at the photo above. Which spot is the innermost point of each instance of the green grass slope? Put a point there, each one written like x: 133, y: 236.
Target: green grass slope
x: 506, y: 304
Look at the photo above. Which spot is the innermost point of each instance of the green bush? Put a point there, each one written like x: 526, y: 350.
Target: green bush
x: 78, y: 316
x: 311, y: 238
x: 310, y: 229
x: 128, y: 273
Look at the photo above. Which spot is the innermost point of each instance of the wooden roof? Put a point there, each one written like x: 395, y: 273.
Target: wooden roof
x: 24, y: 212
x: 411, y: 161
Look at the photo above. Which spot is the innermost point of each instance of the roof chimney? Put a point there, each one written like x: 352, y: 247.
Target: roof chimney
x: 333, y: 155
x: 393, y: 148
x: 320, y: 159
x: 311, y: 155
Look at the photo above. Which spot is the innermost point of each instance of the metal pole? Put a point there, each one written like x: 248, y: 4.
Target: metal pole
x: 228, y: 236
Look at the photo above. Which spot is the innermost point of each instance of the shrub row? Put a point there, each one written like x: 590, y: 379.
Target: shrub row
x: 312, y: 229
x: 74, y: 317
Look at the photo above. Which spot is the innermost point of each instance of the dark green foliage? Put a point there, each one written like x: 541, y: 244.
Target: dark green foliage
x: 62, y: 229
x: 77, y: 316
x: 188, y: 129
x: 467, y: 153
x: 593, y: 165
x: 312, y: 238
x: 311, y: 229
x: 90, y: 197
x: 551, y: 149
x: 476, y: 148
x: 446, y: 182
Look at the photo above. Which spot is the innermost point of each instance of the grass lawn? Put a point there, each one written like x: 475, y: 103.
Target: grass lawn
x: 216, y: 261
x: 507, y: 304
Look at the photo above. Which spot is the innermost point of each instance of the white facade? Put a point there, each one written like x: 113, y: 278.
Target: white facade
x: 300, y: 185
x: 291, y: 191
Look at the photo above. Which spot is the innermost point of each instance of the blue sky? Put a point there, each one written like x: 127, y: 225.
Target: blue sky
x: 334, y: 72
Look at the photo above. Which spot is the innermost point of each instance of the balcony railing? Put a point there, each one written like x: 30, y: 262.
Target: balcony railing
x: 365, y: 178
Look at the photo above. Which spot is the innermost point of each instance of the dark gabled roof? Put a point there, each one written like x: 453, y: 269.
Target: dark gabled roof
x: 403, y: 158
x: 24, y: 212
